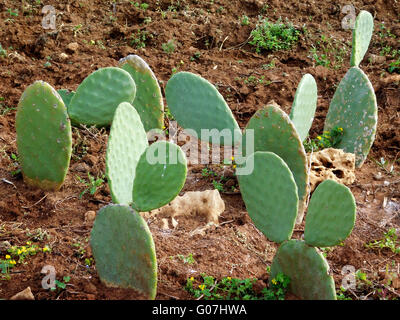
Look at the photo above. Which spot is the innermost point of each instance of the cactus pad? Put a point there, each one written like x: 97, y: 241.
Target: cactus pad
x: 270, y: 195
x: 331, y: 215
x: 196, y: 104
x: 304, y: 105
x: 148, y: 101
x: 362, y: 35
x: 274, y: 132
x: 160, y: 176
x: 124, y: 250
x: 44, y: 138
x: 354, y: 108
x: 66, y: 96
x: 98, y: 96
x: 307, y: 270
x: 126, y: 143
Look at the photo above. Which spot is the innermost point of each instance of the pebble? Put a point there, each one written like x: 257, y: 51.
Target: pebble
x: 23, y: 295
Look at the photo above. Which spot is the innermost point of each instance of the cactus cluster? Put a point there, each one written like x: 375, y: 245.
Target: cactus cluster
x: 140, y: 177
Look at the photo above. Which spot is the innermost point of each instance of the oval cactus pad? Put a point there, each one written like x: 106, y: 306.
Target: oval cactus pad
x: 270, y: 195
x: 160, y: 176
x: 126, y: 143
x: 354, y: 108
x: 123, y: 250
x: 148, y: 101
x: 304, y: 105
x: 362, y: 35
x: 331, y: 215
x: 44, y: 138
x: 98, y: 96
x: 274, y: 132
x: 307, y: 269
x: 196, y: 104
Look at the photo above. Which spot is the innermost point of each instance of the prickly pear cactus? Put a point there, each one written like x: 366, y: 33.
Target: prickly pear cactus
x: 126, y: 143
x: 270, y: 195
x: 148, y: 101
x: 354, y: 108
x: 44, y: 139
x: 329, y: 221
x: 160, y: 176
x: 307, y: 269
x: 304, y: 105
x: 98, y: 96
x: 274, y: 132
x: 124, y: 251
x: 196, y: 104
x: 362, y: 35
x: 66, y: 96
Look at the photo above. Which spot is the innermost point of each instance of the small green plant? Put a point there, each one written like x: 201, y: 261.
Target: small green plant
x: 206, y: 172
x: 245, y: 21
x: 91, y: 185
x: 218, y: 185
x: 186, y: 260
x: 3, y: 52
x: 12, y: 13
x: 273, y: 36
x: 340, y: 294
x: 329, y: 139
x: 59, y: 285
x: 196, y: 56
x: 390, y: 241
x: 229, y: 288
x: 138, y: 39
x: 15, y: 167
x: 77, y: 29
x: 169, y: 47
x: 394, y: 66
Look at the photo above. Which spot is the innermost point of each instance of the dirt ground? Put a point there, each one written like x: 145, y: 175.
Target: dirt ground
x: 210, y: 40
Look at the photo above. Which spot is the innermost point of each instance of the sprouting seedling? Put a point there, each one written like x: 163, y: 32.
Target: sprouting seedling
x: 92, y: 184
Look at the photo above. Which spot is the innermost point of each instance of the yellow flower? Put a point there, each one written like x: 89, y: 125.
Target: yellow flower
x: 202, y: 287
x: 274, y: 281
x: 233, y: 158
x: 8, y: 256
x: 19, y: 251
x: 191, y: 279
x: 229, y: 278
x: 28, y: 243
x: 319, y: 137
x: 45, y: 249
x: 13, y: 262
x: 340, y: 129
x: 23, y: 249
x: 234, y: 166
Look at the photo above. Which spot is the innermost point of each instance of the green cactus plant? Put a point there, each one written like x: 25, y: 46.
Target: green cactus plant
x: 197, y: 105
x: 124, y: 250
x: 160, y: 176
x: 44, y: 138
x: 98, y: 96
x: 148, y: 100
x: 354, y: 108
x: 328, y: 222
x: 304, y: 105
x: 126, y: 143
x: 362, y: 35
x: 275, y: 132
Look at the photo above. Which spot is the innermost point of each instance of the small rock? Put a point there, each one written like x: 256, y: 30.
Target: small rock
x: 90, y: 216
x: 4, y: 245
x: 63, y: 56
x: 24, y: 295
x: 373, y: 58
x: 378, y: 176
x: 80, y: 167
x: 73, y: 46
